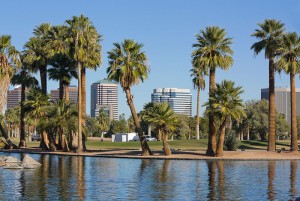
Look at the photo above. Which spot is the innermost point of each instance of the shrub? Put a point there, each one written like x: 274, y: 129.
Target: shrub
x: 231, y: 143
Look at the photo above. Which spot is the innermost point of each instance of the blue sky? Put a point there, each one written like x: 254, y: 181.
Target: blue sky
x: 167, y: 29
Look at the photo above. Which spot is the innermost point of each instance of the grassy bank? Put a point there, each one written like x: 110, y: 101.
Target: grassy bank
x: 192, y: 145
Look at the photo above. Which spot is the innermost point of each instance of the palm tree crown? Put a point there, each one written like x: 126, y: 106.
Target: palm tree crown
x: 127, y: 64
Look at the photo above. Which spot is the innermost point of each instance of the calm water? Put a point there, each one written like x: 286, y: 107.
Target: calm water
x: 92, y: 178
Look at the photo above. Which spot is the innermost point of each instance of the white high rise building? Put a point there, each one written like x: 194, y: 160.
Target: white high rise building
x: 180, y: 100
x: 104, y: 94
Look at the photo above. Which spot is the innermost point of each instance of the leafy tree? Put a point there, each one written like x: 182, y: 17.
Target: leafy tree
x: 183, y: 130
x: 127, y: 65
x: 225, y: 103
x: 162, y: 116
x: 9, y: 59
x: 270, y: 37
x: 289, y: 60
x: 212, y: 51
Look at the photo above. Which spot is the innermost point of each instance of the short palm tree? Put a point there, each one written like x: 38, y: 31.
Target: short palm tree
x: 212, y: 51
x: 225, y: 103
x: 127, y: 65
x: 270, y: 37
x: 199, y: 84
x: 103, y: 122
x: 36, y: 101
x: 23, y: 77
x: 9, y: 59
x: 289, y: 61
x: 162, y: 116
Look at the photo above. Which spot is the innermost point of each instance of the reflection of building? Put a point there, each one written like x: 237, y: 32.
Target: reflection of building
x: 283, y: 100
x: 73, y: 94
x: 13, y: 97
x: 180, y: 100
x: 104, y: 94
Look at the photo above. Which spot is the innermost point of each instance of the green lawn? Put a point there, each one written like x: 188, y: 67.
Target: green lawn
x: 188, y: 145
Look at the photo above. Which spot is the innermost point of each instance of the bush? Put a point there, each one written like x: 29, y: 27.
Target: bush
x: 231, y: 143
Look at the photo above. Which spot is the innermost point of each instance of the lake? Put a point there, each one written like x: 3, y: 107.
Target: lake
x: 97, y: 178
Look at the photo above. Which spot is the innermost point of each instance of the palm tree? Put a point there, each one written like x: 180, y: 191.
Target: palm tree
x: 199, y: 84
x: 103, y: 121
x: 63, y: 67
x: 24, y: 78
x: 164, y: 118
x: 269, y: 36
x: 213, y: 51
x: 36, y: 101
x: 63, y: 114
x: 9, y: 58
x: 85, y: 50
x: 225, y: 103
x: 289, y: 62
x: 37, y: 52
x: 127, y: 65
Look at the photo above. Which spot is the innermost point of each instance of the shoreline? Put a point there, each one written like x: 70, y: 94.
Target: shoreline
x: 248, y: 155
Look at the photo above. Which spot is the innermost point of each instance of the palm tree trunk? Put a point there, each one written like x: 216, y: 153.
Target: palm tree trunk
x: 271, y: 141
x: 211, y: 146
x: 294, y: 135
x: 43, y: 76
x: 220, y: 146
x: 145, y: 147
x: 22, y: 118
x: 66, y: 92
x: 166, y: 144
x: 198, y: 114
x: 61, y: 90
x: 79, y: 149
x: 83, y: 101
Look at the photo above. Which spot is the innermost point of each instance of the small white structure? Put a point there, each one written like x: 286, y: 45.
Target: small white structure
x: 122, y: 137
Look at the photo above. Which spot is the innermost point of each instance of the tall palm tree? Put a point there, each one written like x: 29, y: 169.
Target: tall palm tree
x: 212, y: 51
x: 164, y: 118
x: 127, y: 65
x: 37, y: 52
x: 85, y: 50
x: 9, y: 59
x: 269, y: 36
x: 24, y: 78
x: 199, y: 84
x: 225, y: 103
x: 289, y: 61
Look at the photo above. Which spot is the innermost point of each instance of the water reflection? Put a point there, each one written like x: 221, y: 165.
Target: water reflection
x: 87, y: 178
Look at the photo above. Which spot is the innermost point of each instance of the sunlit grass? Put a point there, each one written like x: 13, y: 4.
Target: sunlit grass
x: 192, y: 145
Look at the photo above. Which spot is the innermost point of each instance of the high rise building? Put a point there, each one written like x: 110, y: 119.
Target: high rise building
x: 104, y: 94
x: 180, y: 100
x: 73, y: 94
x: 283, y: 100
x: 13, y: 97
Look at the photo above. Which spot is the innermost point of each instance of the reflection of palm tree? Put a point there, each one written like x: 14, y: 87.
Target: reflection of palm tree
x: 211, y: 165
x: 293, y: 177
x: 221, y: 178
x: 271, y: 178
